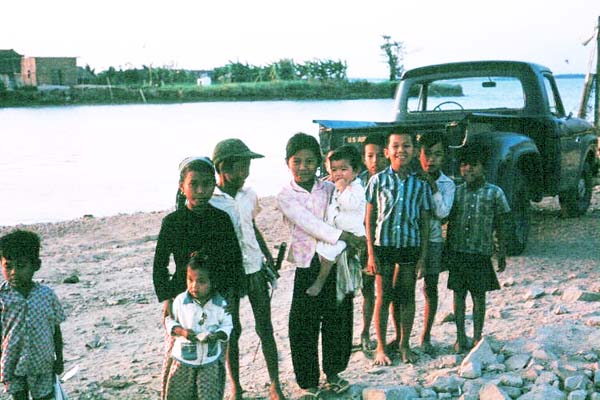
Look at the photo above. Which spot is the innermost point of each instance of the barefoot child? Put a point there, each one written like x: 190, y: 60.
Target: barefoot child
x: 232, y: 161
x: 346, y: 211
x: 397, y: 224
x: 195, y: 226
x: 303, y: 203
x: 200, y: 324
x: 375, y: 162
x: 32, y: 346
x: 432, y: 156
x: 479, y: 209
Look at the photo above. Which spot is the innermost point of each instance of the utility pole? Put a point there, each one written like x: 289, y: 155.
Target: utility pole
x: 597, y: 100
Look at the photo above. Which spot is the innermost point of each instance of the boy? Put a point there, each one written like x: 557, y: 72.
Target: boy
x: 232, y: 163
x: 432, y: 156
x: 32, y: 347
x: 479, y: 209
x: 397, y: 225
x: 375, y: 162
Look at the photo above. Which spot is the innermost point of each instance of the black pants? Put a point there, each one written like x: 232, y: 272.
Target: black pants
x: 310, y: 316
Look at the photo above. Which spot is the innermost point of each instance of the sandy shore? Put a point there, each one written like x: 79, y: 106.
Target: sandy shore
x: 114, y: 337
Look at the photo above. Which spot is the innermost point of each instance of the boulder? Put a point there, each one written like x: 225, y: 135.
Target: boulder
x: 390, y: 393
x: 482, y: 353
x: 517, y: 362
x: 513, y: 380
x: 573, y: 294
x: 470, y: 370
x: 577, y: 395
x: 576, y: 382
x: 492, y: 391
x: 544, y: 392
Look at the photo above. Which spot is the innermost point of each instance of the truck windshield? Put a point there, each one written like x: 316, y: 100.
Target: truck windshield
x: 483, y: 93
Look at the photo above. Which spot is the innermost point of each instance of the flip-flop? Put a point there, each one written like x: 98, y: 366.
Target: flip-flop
x: 310, y: 394
x: 338, y: 385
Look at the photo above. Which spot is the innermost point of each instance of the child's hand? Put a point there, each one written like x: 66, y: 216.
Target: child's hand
x: 501, y: 264
x: 371, y: 265
x: 188, y: 334
x: 341, y: 184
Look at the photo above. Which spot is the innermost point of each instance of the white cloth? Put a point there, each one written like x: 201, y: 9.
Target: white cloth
x: 442, y: 205
x: 242, y: 210
x: 346, y: 211
x: 210, y: 318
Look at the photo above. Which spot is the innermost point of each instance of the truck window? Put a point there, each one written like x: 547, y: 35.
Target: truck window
x: 551, y: 96
x: 479, y: 93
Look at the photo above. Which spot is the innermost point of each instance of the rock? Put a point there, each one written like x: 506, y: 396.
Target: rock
x: 390, y: 393
x: 446, y: 384
x: 491, y: 391
x: 597, y: 379
x: 595, y: 396
x: 533, y: 293
x: 573, y: 294
x: 546, y: 378
x: 482, y: 353
x: 472, y: 387
x: 517, y: 362
x: 577, y: 395
x: 496, y: 368
x: 576, y: 382
x: 530, y: 374
x: 543, y: 355
x: 513, y: 380
x: 470, y: 370
x: 512, y: 392
x: 593, y: 321
x: 544, y: 392
x: 469, y: 397
x: 73, y: 278
x: 427, y: 393
x: 590, y: 357
x: 560, y: 309
x: 556, y: 291
x: 96, y: 342
x: 510, y: 281
x: 449, y: 361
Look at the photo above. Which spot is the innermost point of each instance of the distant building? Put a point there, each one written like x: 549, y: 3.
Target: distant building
x: 39, y: 71
x: 10, y: 68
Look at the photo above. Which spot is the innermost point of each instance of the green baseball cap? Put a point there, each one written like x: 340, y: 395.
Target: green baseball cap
x: 232, y: 148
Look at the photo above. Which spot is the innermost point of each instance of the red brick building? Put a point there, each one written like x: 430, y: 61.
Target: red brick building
x: 37, y: 71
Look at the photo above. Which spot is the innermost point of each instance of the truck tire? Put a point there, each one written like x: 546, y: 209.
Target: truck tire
x: 575, y: 202
x: 520, y: 217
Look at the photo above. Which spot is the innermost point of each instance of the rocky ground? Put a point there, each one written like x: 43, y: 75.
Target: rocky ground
x: 542, y: 332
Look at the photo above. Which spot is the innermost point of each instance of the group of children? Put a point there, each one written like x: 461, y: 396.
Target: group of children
x: 375, y: 226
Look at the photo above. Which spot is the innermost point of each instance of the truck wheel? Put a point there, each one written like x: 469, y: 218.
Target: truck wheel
x: 575, y: 202
x: 520, y: 217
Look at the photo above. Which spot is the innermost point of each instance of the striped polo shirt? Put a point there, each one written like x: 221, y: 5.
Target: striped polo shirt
x: 399, y: 205
x: 473, y: 217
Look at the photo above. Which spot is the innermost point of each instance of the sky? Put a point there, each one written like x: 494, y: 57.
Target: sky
x: 207, y: 34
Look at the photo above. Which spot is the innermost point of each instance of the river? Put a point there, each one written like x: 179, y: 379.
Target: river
x: 60, y: 163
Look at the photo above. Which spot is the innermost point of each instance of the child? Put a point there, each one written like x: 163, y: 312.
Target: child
x: 232, y: 161
x: 479, y: 209
x: 346, y: 211
x: 195, y: 226
x: 432, y: 156
x: 397, y: 224
x: 375, y: 162
x: 303, y: 204
x: 32, y: 346
x: 200, y: 324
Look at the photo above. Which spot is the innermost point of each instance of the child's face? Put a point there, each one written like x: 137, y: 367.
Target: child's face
x: 303, y: 166
x: 374, y: 159
x: 236, y: 173
x: 198, y: 283
x: 471, y: 171
x: 432, y: 158
x: 341, y: 169
x: 198, y: 188
x: 18, y: 272
x: 399, y: 151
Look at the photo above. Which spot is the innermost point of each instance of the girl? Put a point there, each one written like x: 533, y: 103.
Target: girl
x: 195, y: 226
x: 303, y: 204
x: 199, y: 325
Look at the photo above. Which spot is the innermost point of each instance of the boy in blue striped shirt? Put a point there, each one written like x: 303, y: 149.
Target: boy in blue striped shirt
x: 397, y: 225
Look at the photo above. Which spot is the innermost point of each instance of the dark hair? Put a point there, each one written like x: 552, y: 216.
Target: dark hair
x: 348, y: 153
x: 431, y: 138
x: 198, y: 261
x: 201, y: 165
x: 21, y: 243
x: 473, y: 154
x: 302, y: 141
x: 395, y: 132
x: 377, y: 139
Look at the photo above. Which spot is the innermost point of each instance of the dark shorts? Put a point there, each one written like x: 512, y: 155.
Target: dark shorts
x: 471, y: 272
x: 388, y: 257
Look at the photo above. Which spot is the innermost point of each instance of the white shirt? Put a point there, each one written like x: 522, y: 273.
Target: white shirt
x: 442, y: 204
x: 346, y: 210
x: 210, y: 318
x: 242, y: 210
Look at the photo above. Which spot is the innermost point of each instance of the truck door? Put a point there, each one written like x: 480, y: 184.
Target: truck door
x: 569, y: 131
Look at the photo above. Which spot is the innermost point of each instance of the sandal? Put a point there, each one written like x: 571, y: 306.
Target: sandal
x: 338, y: 385
x: 310, y: 394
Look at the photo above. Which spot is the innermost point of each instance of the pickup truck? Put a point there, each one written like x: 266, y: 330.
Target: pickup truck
x: 515, y: 111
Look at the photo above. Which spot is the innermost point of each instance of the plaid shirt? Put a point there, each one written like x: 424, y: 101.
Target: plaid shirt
x: 398, y: 204
x: 28, y: 326
x: 474, y: 217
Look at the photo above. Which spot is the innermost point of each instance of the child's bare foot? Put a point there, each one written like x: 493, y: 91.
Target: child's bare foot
x: 381, y: 358
x: 408, y: 357
x: 315, y: 288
